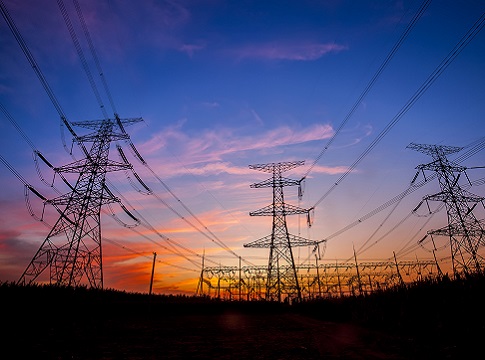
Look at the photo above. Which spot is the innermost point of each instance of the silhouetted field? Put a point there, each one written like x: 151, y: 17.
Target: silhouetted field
x: 435, y: 318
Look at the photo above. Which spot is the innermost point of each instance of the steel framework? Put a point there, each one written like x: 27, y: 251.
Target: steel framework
x: 72, y: 250
x: 316, y: 280
x: 465, y: 231
x: 281, y: 274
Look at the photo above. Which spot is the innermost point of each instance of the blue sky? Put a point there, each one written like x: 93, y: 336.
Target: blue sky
x: 225, y: 84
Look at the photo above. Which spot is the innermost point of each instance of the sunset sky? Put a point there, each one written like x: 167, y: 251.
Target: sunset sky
x: 225, y: 84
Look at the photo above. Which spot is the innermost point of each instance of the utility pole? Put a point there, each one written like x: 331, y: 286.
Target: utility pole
x: 338, y: 279
x: 359, y: 282
x: 72, y: 250
x: 465, y: 232
x: 318, y: 277
x: 200, y: 286
x: 240, y: 279
x: 401, y: 281
x: 282, y: 277
x: 153, y: 272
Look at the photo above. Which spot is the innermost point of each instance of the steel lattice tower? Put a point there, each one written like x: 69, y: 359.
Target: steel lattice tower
x: 465, y: 231
x: 282, y: 277
x: 72, y: 249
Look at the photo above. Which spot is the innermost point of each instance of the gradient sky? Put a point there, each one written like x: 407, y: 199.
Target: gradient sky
x: 224, y: 84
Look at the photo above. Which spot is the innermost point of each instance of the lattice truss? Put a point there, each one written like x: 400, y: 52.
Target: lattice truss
x: 72, y: 253
x: 465, y: 232
x: 281, y: 276
x: 324, y: 280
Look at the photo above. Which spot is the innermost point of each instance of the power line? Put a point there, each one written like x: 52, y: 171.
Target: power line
x: 465, y: 40
x: 212, y: 236
x: 44, y: 82
x: 31, y: 188
x: 124, y: 247
x: 81, y: 56
x: 30, y: 58
x: 473, y: 147
x: 94, y: 54
x: 371, y: 83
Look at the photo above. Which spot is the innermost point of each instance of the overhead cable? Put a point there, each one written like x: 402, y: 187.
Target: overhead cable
x: 371, y: 83
x: 465, y: 40
x: 211, y: 235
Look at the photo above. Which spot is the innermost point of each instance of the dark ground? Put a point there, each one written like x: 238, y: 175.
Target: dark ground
x: 61, y: 323
x: 227, y: 335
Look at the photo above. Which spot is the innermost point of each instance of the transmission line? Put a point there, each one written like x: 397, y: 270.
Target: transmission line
x: 94, y: 54
x: 92, y: 48
x: 32, y: 189
x: 43, y: 80
x: 30, y: 58
x: 465, y: 40
x: 473, y: 147
x: 150, y: 227
x: 124, y: 247
x: 46, y: 86
x: 371, y: 83
x: 80, y: 54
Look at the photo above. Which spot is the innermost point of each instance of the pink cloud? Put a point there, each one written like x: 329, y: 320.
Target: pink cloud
x: 330, y: 170
x: 206, y: 153
x: 287, y: 51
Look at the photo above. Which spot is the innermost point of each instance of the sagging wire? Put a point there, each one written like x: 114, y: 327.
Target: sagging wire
x: 36, y: 154
x: 422, y: 242
x: 121, y: 222
x: 123, y: 157
x: 429, y: 213
x: 27, y: 189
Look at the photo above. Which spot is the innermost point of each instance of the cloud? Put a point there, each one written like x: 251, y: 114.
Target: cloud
x: 190, y: 49
x: 207, y: 153
x: 329, y: 170
x: 210, y: 104
x: 293, y: 51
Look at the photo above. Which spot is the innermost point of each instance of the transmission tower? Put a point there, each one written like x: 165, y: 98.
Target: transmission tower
x: 72, y: 249
x: 282, y: 277
x: 465, y: 231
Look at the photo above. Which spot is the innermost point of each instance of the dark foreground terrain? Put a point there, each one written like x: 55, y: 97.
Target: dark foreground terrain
x: 432, y: 320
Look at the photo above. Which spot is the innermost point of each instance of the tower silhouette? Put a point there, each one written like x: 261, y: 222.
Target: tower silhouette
x: 465, y: 231
x: 282, y: 278
x: 72, y: 250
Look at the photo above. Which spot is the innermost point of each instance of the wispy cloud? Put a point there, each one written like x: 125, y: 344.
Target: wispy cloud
x: 190, y: 49
x: 211, y: 146
x: 293, y: 51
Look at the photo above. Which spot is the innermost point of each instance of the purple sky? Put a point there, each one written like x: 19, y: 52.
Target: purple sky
x: 225, y: 84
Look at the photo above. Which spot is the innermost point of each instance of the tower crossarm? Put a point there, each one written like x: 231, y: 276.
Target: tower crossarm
x: 277, y: 167
x: 275, y: 182
x: 434, y: 150
x: 438, y: 166
x: 458, y: 230
x: 272, y: 210
x: 82, y: 165
x: 465, y: 196
x: 96, y: 124
x: 280, y: 242
x: 75, y: 199
x: 111, y: 136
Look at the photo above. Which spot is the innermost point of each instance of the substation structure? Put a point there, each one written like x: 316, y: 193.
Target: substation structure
x: 248, y: 283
